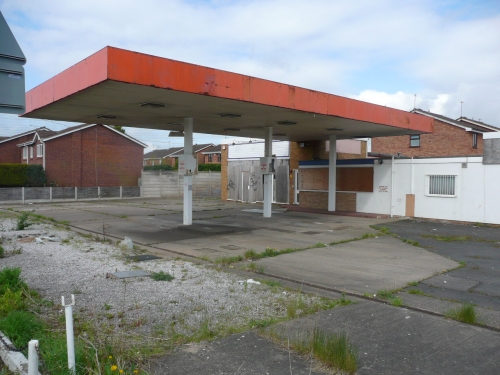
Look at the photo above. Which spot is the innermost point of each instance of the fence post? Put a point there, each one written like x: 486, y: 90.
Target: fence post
x: 33, y: 357
x: 70, y: 340
x: 50, y: 193
x: 22, y: 192
x: 76, y: 193
x: 121, y: 192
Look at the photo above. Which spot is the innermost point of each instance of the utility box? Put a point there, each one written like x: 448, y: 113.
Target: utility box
x: 267, y: 165
x: 187, y: 164
x: 12, y: 92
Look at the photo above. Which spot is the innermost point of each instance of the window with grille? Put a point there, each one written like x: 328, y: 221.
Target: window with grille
x: 441, y: 185
x: 25, y: 152
x: 31, y: 152
x: 39, y: 150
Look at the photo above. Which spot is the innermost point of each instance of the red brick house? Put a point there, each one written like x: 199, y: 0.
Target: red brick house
x: 169, y: 156
x: 462, y: 137
x: 84, y: 155
x: 212, y: 155
x: 157, y: 157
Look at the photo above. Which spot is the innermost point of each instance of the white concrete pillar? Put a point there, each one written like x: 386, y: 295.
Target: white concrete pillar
x: 188, y: 179
x: 268, y: 178
x: 332, y: 173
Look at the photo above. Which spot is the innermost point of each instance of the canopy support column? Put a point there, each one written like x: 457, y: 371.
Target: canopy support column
x: 332, y: 173
x: 188, y: 176
x: 268, y: 178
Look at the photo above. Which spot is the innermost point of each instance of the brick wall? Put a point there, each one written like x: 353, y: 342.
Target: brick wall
x: 224, y: 193
x: 345, y: 202
x: 10, y: 153
x: 446, y: 140
x: 94, y: 156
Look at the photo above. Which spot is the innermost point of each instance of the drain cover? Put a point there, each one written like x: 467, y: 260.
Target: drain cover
x: 143, y: 257
x: 128, y: 274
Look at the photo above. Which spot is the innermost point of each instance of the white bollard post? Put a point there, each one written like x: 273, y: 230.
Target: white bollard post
x: 33, y: 357
x: 70, y: 340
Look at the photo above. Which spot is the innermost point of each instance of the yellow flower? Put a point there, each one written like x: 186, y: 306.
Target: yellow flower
x: 114, y: 367
x: 136, y: 371
x: 121, y: 371
x: 110, y: 357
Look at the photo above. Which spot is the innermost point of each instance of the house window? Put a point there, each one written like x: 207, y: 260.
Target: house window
x: 474, y: 140
x: 25, y: 152
x: 210, y: 158
x: 441, y: 185
x: 415, y: 140
x: 31, y: 152
x: 39, y: 150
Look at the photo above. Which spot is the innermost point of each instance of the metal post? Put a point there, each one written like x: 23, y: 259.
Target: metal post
x: 76, y: 193
x: 50, y: 193
x: 268, y: 178
x: 70, y: 340
x: 33, y: 357
x: 22, y: 192
x: 392, y: 183
x: 121, y: 192
x: 188, y: 179
x: 99, y: 192
x: 332, y: 173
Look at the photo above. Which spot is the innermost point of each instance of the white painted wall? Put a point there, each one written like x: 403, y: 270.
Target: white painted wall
x: 477, y: 190
x: 255, y: 150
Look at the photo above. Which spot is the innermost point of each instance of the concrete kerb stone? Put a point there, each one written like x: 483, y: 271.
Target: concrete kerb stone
x: 15, y: 361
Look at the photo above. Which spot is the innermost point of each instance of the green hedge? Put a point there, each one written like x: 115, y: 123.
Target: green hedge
x: 161, y: 167
x: 15, y: 175
x: 209, y: 167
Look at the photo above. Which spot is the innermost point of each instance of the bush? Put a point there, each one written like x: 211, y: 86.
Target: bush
x: 209, y: 167
x: 160, y: 167
x: 35, y: 176
x: 16, y: 175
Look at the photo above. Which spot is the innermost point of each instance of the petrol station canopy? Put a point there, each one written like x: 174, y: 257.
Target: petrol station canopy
x: 120, y: 87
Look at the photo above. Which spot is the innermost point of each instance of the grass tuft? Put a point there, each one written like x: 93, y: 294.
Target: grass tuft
x: 22, y: 221
x: 334, y: 350
x: 464, y: 314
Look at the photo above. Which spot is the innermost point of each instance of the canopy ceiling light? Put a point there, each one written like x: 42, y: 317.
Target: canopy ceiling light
x: 334, y: 129
x: 106, y: 116
x: 230, y: 115
x: 152, y: 105
x: 176, y: 134
x: 286, y: 122
x: 279, y: 135
x: 175, y: 123
x: 231, y: 129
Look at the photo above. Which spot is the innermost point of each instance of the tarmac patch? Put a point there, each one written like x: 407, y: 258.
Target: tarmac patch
x: 451, y: 282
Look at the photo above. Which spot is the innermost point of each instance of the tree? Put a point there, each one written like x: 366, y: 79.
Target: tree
x: 119, y: 128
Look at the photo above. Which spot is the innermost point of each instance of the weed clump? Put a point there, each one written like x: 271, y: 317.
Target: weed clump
x: 464, y: 314
x: 162, y: 276
x: 22, y: 221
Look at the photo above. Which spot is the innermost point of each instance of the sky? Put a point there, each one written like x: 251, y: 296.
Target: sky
x: 440, y: 55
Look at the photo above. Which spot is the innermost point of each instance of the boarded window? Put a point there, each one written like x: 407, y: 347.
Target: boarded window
x: 355, y: 179
x: 348, y: 179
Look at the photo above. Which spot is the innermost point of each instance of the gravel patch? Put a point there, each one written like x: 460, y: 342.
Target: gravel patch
x: 74, y: 264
